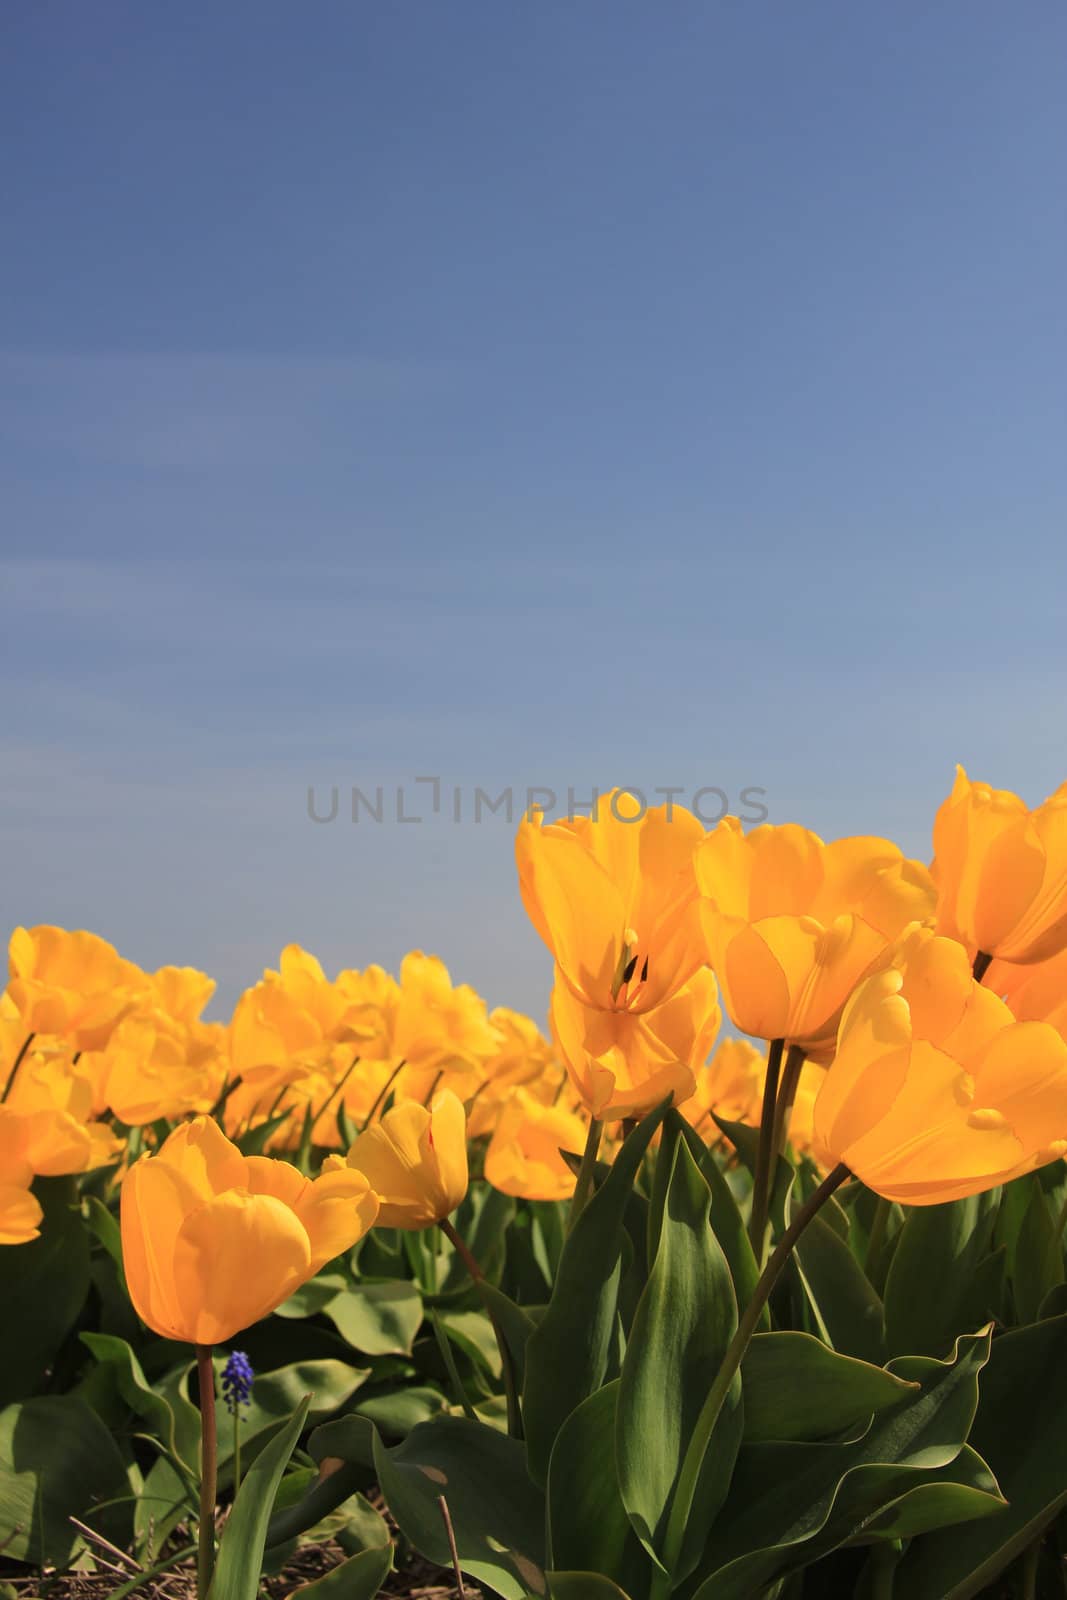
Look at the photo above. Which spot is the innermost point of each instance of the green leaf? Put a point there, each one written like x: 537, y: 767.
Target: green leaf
x: 104, y: 1227
x: 567, y: 1355
x: 796, y: 1387
x: 684, y: 1323
x: 497, y: 1514
x: 960, y: 1492
x: 378, y: 1318
x: 43, y: 1287
x: 588, y: 1526
x: 472, y: 1332
x: 57, y: 1460
x: 791, y: 1503
x: 163, y: 1502
x: 330, y: 1385
x: 729, y: 1228
x: 240, y: 1557
x: 515, y: 1323
x: 583, y: 1586
x: 135, y: 1390
x: 358, y: 1578
x: 846, y: 1307
x: 313, y: 1296
x: 395, y: 1413
x: 1019, y: 1430
x: 1037, y: 1260
x: 930, y: 1289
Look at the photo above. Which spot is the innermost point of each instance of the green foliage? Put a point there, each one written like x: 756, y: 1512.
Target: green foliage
x: 895, y: 1426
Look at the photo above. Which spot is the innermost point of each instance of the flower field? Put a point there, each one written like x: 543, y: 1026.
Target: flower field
x: 743, y: 1280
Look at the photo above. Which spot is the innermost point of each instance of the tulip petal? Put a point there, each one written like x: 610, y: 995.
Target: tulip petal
x: 235, y: 1260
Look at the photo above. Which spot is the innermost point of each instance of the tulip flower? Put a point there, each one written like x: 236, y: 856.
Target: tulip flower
x: 793, y: 924
x: 415, y: 1161
x: 615, y: 900
x: 213, y: 1240
x: 730, y: 1086
x: 625, y: 1062
x: 1034, y: 992
x: 524, y: 1158
x: 20, y: 1211
x: 524, y: 1058
x: 73, y: 985
x: 936, y: 1091
x: 441, y: 1031
x: 1001, y: 871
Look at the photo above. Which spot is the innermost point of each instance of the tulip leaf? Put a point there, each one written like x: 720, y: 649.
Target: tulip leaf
x: 729, y: 1228
x: 568, y: 1353
x: 583, y: 1586
x: 313, y: 1296
x: 331, y: 1384
x: 960, y: 1492
x: 790, y: 1503
x: 1019, y: 1430
x: 57, y: 1460
x: 930, y: 1291
x: 240, y: 1557
x: 378, y: 1317
x: 395, y: 1413
x: 684, y: 1323
x: 1037, y: 1259
x: 497, y: 1514
x: 163, y: 1502
x: 43, y: 1287
x: 135, y: 1390
x: 796, y: 1387
x: 846, y: 1307
x: 319, y: 1499
x: 358, y: 1578
x: 587, y: 1521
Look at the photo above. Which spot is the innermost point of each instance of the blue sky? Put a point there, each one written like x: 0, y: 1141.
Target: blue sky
x: 555, y: 394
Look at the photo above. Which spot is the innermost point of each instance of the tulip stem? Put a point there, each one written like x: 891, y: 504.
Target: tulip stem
x: 583, y: 1188
x: 19, y: 1059
x: 761, y: 1180
x: 981, y: 963
x: 876, y: 1239
x: 783, y: 1109
x: 209, y: 1470
x: 700, y: 1439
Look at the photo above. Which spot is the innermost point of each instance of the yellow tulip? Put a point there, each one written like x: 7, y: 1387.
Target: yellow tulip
x: 524, y: 1158
x: 441, y: 1030
x: 415, y: 1160
x: 73, y: 985
x: 1001, y: 871
x: 20, y: 1214
x: 624, y: 1062
x: 213, y: 1240
x: 48, y: 1113
x: 793, y: 924
x: 1034, y: 992
x: 936, y: 1091
x: 524, y: 1057
x: 731, y: 1086
x: 615, y: 900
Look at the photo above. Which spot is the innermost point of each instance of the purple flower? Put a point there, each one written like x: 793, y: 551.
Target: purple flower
x: 237, y: 1380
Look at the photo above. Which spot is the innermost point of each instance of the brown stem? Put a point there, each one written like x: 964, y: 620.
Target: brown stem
x: 761, y: 1181
x: 209, y: 1469
x: 19, y: 1059
x: 450, y: 1531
